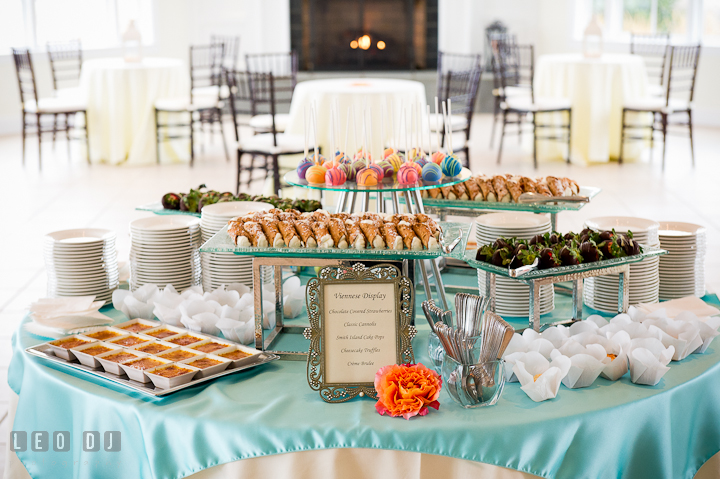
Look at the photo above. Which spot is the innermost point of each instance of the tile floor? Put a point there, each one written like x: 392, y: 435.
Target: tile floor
x: 69, y: 194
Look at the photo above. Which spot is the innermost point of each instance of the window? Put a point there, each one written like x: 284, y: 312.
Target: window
x: 687, y: 21
x: 96, y: 23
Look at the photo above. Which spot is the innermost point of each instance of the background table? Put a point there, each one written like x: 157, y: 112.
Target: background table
x: 268, y: 420
x: 373, y: 92
x: 597, y: 88
x: 120, y: 98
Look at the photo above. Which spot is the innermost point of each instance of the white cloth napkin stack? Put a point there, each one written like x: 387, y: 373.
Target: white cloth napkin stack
x: 57, y: 317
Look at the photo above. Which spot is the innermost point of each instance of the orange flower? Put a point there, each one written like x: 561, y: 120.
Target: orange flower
x: 407, y: 390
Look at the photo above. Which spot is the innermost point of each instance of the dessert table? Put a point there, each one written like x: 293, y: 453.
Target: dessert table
x: 597, y: 88
x: 376, y: 93
x: 267, y: 421
x: 120, y: 98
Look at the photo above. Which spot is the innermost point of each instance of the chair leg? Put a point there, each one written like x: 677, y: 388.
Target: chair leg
x: 534, y: 120
x: 664, y: 132
x: 496, y: 110
x: 519, y: 125
x: 222, y: 135
x: 622, y: 136
x: 692, y: 147
x: 237, y: 177
x: 502, y: 136
x: 87, y: 139
x: 157, y: 137
x: 192, y: 139
x: 276, y: 175
x: 67, y: 133
x: 39, y: 133
x: 569, y: 133
x: 55, y: 129
x: 24, y: 136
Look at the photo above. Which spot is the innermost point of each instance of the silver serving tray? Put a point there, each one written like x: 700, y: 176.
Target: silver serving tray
x: 45, y: 352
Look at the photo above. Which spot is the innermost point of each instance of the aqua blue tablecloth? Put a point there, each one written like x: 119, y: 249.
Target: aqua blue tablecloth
x: 609, y: 430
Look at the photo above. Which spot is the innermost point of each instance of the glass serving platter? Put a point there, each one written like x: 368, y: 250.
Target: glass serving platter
x: 648, y: 251
x: 553, y: 207
x: 158, y: 209
x: 386, y: 185
x: 221, y: 243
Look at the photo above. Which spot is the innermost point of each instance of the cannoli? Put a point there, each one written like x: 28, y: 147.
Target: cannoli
x: 473, y: 190
x: 338, y: 233
x: 306, y: 234
x: 567, y: 191
x: 446, y: 191
x: 515, y: 189
x: 320, y: 215
x: 322, y: 234
x: 434, y: 193
x: 392, y: 238
x: 342, y: 216
x: 500, y: 187
x: 574, y: 187
x: 528, y: 185
x: 272, y: 232
x: 542, y: 187
x: 372, y: 233
x: 424, y: 193
x: 356, y: 238
x: 410, y: 239
x: 486, y: 188
x: 289, y: 234
x: 434, y: 227
x: 425, y: 234
x: 275, y: 211
x: 460, y: 191
x: 284, y: 216
x: 255, y: 217
x: 374, y: 217
x: 409, y: 218
x: 296, y: 213
x: 239, y: 236
x: 256, y: 235
x: 555, y: 185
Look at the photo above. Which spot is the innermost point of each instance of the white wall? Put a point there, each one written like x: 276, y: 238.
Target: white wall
x: 264, y: 26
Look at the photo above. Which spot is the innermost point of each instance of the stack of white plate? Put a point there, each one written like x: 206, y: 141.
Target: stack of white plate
x: 81, y: 262
x: 601, y: 293
x: 225, y: 268
x: 682, y: 270
x: 512, y: 298
x: 164, y: 250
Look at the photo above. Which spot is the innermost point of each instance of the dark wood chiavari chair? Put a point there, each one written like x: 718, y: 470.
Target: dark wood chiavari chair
x: 65, y: 66
x: 231, y: 50
x: 682, y: 71
x: 461, y: 88
x: 654, y: 51
x: 284, y: 68
x: 40, y: 107
x: 516, y: 64
x: 453, y: 63
x: 206, y: 73
x: 258, y: 89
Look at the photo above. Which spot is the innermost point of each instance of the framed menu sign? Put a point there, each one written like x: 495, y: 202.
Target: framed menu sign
x: 360, y: 321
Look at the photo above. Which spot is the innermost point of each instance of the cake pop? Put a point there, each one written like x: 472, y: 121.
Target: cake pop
x: 335, y: 176
x: 437, y: 157
x: 431, y: 172
x: 348, y: 170
x: 303, y: 167
x: 451, y: 166
x: 395, y: 160
x: 388, y: 152
x: 421, y: 161
x: 367, y: 177
x: 388, y: 170
x: 408, y: 174
x: 379, y: 169
x: 316, y: 174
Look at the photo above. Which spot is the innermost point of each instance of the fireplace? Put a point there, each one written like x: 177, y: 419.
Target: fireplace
x: 364, y: 34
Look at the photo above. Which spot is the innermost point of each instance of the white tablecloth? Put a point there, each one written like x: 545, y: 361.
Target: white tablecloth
x: 597, y: 88
x: 120, y: 98
x: 373, y: 92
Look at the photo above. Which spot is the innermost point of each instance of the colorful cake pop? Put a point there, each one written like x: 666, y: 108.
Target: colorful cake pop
x: 415, y: 165
x: 348, y: 170
x: 379, y: 169
x: 395, y: 160
x: 303, y: 167
x: 317, y: 158
x: 362, y: 156
x: 431, y: 172
x: 358, y: 165
x: 315, y: 174
x: 451, y: 166
x: 335, y: 176
x: 437, y: 157
x: 421, y: 161
x: 388, y: 170
x: 389, y: 152
x: 367, y: 177
x: 408, y: 174
x: 341, y: 158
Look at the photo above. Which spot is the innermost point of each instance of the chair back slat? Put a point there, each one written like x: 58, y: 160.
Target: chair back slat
x: 231, y: 49
x: 453, y: 63
x: 65, y: 63
x: 240, y: 98
x: 25, y: 75
x: 654, y: 51
x: 262, y: 91
x: 461, y: 89
x: 682, y: 71
x: 206, y: 66
x: 516, y: 65
x: 282, y: 66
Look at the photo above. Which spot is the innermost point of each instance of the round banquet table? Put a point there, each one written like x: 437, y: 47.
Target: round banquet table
x: 120, y: 99
x: 597, y: 89
x: 359, y: 92
x: 266, y: 422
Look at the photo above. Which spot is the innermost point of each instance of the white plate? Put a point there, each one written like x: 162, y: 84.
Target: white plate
x: 623, y: 223
x: 512, y: 220
x: 165, y: 223
x: 81, y: 236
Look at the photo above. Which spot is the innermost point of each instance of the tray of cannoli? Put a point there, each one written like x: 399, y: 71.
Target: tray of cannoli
x: 150, y: 357
x: 512, y: 192
x: 339, y: 235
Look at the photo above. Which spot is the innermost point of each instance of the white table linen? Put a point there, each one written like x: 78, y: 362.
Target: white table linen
x: 373, y: 92
x: 120, y: 98
x: 597, y: 89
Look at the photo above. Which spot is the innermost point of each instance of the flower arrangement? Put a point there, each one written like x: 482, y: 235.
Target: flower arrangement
x: 407, y: 390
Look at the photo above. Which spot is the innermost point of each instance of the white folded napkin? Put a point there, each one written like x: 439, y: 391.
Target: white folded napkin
x: 677, y: 306
x: 56, y: 317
